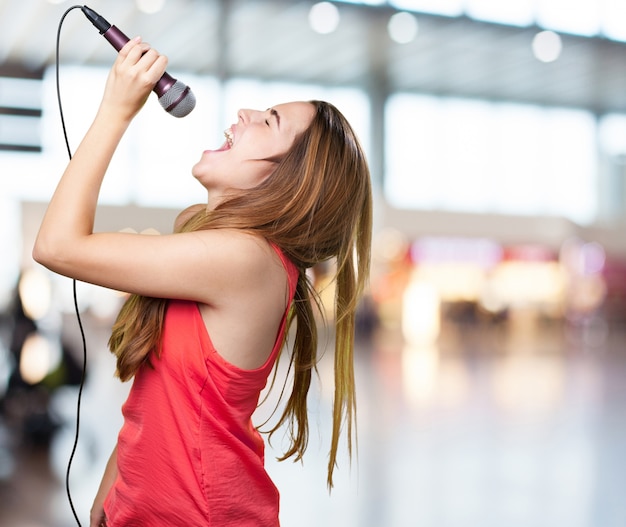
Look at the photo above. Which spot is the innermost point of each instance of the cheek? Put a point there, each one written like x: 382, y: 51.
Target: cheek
x: 268, y: 148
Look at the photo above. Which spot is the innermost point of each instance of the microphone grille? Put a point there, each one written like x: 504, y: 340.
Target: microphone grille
x: 179, y: 100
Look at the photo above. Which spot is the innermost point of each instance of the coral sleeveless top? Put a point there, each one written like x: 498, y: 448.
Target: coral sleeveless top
x: 188, y: 453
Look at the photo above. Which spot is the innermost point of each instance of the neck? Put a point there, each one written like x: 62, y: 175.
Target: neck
x: 215, y: 198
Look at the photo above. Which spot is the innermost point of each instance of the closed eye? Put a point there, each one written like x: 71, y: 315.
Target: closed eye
x: 275, y: 115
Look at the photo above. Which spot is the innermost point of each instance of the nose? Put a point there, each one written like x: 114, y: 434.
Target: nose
x: 246, y: 116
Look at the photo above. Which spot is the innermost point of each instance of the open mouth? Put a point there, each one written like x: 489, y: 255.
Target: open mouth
x: 228, y: 133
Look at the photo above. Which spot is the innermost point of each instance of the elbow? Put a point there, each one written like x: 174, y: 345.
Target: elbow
x: 39, y: 253
x: 46, y: 253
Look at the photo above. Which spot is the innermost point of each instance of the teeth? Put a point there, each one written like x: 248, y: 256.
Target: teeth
x: 228, y: 133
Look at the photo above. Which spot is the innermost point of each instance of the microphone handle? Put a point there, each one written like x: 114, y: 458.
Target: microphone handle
x: 174, y: 97
x: 117, y: 39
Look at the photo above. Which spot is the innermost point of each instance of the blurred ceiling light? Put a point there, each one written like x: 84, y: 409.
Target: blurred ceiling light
x: 547, y: 46
x: 150, y: 6
x: 35, y: 293
x: 402, y: 27
x: 324, y: 17
x: 37, y: 359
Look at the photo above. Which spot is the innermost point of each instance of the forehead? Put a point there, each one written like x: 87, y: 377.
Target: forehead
x: 295, y: 115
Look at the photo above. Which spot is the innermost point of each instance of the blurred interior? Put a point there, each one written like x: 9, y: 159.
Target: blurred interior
x: 490, y: 343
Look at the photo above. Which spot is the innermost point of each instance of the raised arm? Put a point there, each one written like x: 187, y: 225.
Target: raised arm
x: 169, y: 266
x: 210, y: 266
x: 70, y: 215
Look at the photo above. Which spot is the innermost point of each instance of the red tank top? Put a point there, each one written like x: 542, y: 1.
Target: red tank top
x: 188, y: 453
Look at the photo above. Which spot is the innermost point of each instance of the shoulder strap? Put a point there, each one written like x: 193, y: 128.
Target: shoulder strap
x: 290, y: 268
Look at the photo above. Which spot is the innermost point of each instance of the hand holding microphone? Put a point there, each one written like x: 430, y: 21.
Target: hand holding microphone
x: 133, y: 75
x: 175, y: 97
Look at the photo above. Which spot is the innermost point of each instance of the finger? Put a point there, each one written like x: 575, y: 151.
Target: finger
x: 131, y: 52
x: 151, y: 65
x: 148, y: 57
x: 157, y: 68
x: 136, y: 53
x: 132, y: 43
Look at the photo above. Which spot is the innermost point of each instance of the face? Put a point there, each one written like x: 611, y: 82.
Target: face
x: 253, y: 146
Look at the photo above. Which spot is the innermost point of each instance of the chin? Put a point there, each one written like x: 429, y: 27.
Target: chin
x: 199, y: 178
x: 196, y: 170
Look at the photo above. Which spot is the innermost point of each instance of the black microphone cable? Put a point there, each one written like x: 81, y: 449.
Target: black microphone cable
x: 80, y: 323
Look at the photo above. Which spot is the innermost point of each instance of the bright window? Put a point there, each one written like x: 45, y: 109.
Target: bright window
x: 514, y: 12
x: 473, y: 156
x: 438, y: 7
x: 581, y: 17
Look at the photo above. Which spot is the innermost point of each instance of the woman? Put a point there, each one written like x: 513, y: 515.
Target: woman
x: 211, y: 303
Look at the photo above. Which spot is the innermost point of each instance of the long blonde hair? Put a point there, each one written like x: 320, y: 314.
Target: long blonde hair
x: 316, y: 206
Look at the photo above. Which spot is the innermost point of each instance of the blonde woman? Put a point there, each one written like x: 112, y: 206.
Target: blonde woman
x: 209, y: 305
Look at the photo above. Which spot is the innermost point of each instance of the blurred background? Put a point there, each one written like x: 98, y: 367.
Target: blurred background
x: 491, y: 345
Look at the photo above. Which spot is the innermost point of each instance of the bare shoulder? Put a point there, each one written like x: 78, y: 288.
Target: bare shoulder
x: 250, y: 295
x: 247, y: 263
x: 257, y: 258
x: 242, y: 247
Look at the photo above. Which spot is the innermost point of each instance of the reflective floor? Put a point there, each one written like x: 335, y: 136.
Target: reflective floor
x: 511, y: 425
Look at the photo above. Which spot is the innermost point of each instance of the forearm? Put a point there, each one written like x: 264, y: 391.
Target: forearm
x: 71, y: 212
x: 108, y: 479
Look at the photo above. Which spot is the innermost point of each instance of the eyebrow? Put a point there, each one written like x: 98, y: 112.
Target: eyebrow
x: 275, y: 114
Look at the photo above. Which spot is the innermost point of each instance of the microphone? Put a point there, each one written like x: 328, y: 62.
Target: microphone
x: 175, y: 97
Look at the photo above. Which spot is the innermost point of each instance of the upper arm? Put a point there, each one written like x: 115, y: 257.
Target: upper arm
x: 202, y: 265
